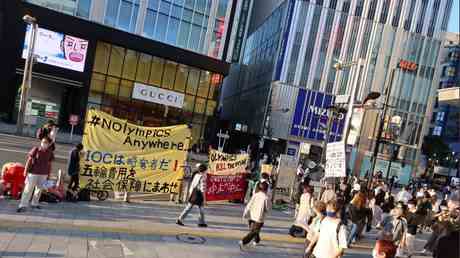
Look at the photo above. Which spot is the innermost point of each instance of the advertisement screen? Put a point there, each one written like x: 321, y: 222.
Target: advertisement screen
x: 57, y: 49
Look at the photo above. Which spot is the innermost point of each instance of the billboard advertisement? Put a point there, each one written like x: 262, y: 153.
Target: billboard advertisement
x: 311, y: 114
x: 57, y: 49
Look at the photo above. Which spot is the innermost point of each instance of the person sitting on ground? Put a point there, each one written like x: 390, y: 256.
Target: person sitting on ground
x: 332, y: 237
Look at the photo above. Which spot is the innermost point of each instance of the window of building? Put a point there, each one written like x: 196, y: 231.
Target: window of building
x: 397, y: 14
x: 181, y: 78
x: 116, y: 60
x: 445, y: 19
x: 101, y: 60
x: 130, y: 65
x: 385, y: 10
x: 165, y: 7
x: 437, y: 130
x: 149, y: 24
x: 205, y: 80
x: 122, y: 14
x: 434, y: 17
x: 173, y: 29
x: 169, y: 75
x: 80, y: 8
x: 162, y: 25
x: 184, y: 32
x: 176, y: 11
x: 372, y: 9
x: 359, y: 8
x: 143, y: 69
x: 156, y: 72
x: 408, y: 21
x: 192, y: 81
x: 421, y: 16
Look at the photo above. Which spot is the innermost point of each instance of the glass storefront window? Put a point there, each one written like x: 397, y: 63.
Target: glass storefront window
x: 189, y: 102
x: 169, y: 75
x: 196, y: 133
x: 215, y: 82
x: 181, y: 78
x: 126, y: 88
x: 116, y: 61
x: 200, y: 105
x: 130, y: 64
x: 111, y: 86
x: 205, y: 79
x: 101, y: 60
x: 95, y: 97
x: 192, y: 82
x: 210, y: 107
x: 97, y: 82
x: 157, y: 71
x: 143, y: 69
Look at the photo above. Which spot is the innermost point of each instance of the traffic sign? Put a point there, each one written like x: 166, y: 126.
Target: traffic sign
x: 74, y: 120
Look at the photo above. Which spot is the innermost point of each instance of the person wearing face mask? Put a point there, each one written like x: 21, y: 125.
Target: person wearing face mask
x: 48, y: 130
x: 37, y: 170
x: 332, y: 238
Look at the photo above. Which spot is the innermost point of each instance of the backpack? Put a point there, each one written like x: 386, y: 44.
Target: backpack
x: 84, y: 195
x: 49, y: 197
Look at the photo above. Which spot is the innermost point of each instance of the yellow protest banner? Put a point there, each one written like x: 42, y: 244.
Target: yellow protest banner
x: 120, y: 156
x: 221, y: 163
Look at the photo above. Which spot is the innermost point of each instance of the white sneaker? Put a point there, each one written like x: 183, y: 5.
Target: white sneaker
x: 242, y: 246
x: 254, y: 244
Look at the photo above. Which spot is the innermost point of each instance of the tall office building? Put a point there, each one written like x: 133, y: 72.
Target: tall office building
x: 287, y: 79
x: 202, y: 26
x: 106, y: 54
x: 446, y: 116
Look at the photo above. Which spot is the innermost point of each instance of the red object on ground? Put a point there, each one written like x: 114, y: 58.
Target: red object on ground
x: 13, y: 178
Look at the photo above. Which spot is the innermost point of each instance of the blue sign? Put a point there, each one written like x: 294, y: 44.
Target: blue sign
x: 291, y: 151
x: 311, y: 115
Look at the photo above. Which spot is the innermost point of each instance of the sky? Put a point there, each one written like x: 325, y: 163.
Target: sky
x: 454, y: 22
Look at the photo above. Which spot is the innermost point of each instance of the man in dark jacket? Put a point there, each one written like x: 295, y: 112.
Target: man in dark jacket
x: 73, y: 168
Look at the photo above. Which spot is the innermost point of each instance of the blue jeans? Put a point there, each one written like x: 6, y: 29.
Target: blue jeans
x: 353, y: 233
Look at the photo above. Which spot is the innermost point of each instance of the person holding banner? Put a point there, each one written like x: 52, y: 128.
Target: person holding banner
x: 197, y: 196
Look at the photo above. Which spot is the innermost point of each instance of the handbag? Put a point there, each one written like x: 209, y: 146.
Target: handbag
x: 196, y: 198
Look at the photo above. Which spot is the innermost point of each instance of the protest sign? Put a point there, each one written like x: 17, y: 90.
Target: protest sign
x: 226, y: 177
x: 335, y: 160
x: 120, y: 156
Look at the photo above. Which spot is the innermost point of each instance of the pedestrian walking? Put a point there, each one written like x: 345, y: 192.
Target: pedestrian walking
x: 314, y: 228
x: 413, y: 219
x: 197, y: 193
x: 73, y: 168
x: 397, y: 225
x: 255, y: 211
x: 329, y: 194
x: 357, y: 213
x: 37, y: 170
x: 305, y: 212
x: 332, y: 237
x: 404, y: 195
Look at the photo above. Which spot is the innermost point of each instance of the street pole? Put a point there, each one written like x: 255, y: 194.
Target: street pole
x: 27, y: 76
x: 351, y: 101
x: 381, y: 127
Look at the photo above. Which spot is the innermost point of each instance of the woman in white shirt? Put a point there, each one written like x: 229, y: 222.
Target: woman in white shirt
x: 307, y: 201
x: 197, y: 194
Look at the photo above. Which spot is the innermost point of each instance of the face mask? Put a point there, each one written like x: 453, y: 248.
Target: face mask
x: 330, y: 214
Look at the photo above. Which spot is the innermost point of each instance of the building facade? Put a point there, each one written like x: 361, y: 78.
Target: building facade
x: 82, y: 64
x: 287, y: 77
x: 210, y: 27
x: 446, y: 116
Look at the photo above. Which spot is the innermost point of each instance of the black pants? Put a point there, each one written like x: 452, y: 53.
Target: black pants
x: 74, y: 182
x: 255, y: 228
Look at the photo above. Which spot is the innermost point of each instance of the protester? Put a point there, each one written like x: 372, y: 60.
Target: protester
x: 255, y: 211
x: 404, y: 195
x: 384, y: 247
x: 314, y: 228
x: 357, y: 213
x: 197, y: 197
x: 73, y: 168
x: 329, y: 194
x: 37, y: 170
x: 332, y: 238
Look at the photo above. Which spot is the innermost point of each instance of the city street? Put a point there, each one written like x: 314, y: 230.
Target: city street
x: 113, y: 229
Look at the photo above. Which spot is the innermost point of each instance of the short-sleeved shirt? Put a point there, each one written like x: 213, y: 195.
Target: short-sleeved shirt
x: 329, y: 242
x: 41, y: 160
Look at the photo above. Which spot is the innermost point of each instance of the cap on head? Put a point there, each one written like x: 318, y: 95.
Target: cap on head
x: 202, y: 168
